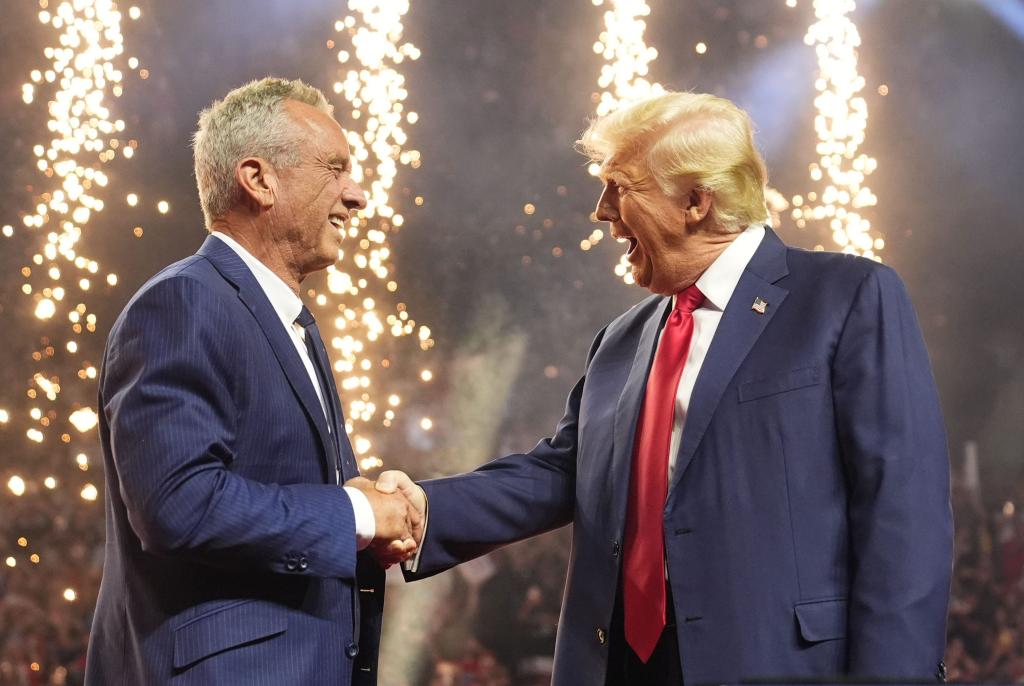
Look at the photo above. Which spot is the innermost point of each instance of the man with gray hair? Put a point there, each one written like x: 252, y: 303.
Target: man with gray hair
x: 233, y: 553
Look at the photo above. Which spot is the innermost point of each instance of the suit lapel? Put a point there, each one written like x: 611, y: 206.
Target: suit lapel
x: 232, y: 268
x: 627, y: 412
x: 737, y: 332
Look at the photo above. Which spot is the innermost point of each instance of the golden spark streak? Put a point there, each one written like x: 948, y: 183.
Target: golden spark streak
x: 841, y: 124
x: 374, y: 90
x: 623, y: 78
x: 83, y: 73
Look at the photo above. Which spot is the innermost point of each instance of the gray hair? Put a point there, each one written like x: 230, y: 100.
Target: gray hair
x: 249, y: 122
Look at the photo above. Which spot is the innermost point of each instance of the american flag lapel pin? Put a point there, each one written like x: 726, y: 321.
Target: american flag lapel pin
x: 759, y: 306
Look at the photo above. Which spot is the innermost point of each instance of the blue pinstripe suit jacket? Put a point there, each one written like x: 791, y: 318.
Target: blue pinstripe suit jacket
x: 230, y: 554
x: 807, y: 528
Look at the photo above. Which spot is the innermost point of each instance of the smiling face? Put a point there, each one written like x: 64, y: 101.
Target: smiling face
x: 317, y: 196
x: 654, y: 224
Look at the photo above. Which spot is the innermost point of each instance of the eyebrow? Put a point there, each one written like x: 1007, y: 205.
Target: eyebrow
x: 613, y: 175
x: 339, y: 161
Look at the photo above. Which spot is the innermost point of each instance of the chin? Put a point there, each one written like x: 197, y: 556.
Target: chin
x: 643, y: 278
x: 321, y: 261
x: 327, y: 260
x: 329, y: 251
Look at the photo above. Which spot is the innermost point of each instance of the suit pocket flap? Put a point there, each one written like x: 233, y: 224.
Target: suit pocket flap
x: 227, y: 627
x: 822, y: 620
x: 798, y: 378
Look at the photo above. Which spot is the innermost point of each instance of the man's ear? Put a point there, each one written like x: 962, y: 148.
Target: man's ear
x: 258, y: 182
x: 698, y: 205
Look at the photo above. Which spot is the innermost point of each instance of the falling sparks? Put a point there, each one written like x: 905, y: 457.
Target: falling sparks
x: 626, y: 55
x: 623, y: 78
x: 84, y: 72
x: 840, y: 123
x: 375, y: 92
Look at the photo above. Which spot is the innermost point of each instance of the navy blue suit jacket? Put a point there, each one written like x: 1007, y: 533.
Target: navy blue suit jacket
x: 231, y: 553
x: 808, y: 528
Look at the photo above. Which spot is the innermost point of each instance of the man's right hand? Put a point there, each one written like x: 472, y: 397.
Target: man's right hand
x: 394, y: 480
x: 398, y: 522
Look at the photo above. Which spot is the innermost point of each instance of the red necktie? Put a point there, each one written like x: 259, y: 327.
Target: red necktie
x: 644, y: 596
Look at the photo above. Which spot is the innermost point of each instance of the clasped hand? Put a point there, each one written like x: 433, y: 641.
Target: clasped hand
x: 399, y: 507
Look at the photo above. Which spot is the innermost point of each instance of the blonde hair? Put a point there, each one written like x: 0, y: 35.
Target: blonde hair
x: 689, y: 140
x: 249, y: 122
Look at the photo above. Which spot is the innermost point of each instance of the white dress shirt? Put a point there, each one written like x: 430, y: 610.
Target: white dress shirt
x: 287, y: 305
x: 717, y: 284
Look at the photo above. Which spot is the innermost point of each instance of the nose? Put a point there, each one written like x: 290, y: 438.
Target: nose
x: 606, y: 210
x: 353, y: 196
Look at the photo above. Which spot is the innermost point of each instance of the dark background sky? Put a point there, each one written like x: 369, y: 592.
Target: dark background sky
x: 503, y: 89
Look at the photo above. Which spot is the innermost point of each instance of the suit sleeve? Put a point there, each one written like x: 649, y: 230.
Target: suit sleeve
x: 167, y: 395
x: 894, y: 447
x: 507, y: 500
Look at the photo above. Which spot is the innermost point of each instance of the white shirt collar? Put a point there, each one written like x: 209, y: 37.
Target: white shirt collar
x: 281, y: 297
x: 719, y: 280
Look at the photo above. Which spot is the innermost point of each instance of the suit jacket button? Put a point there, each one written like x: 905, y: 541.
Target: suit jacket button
x: 291, y: 563
x: 616, y: 548
x: 602, y: 637
x: 303, y: 564
x: 352, y: 650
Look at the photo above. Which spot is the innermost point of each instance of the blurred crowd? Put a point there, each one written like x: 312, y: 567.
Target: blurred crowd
x: 55, y: 540
x: 986, y: 612
x: 494, y: 624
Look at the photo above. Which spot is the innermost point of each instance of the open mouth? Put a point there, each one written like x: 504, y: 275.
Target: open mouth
x: 337, y: 221
x: 633, y: 243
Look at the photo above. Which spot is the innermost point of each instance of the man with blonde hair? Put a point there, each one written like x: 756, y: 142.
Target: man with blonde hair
x: 754, y: 462
x: 234, y: 555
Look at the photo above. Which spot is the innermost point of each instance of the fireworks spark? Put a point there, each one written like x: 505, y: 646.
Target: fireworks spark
x: 85, y: 70
x: 841, y: 124
x: 83, y: 73
x: 374, y: 90
x: 623, y: 79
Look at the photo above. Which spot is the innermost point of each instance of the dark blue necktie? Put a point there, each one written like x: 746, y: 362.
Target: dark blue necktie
x: 318, y: 355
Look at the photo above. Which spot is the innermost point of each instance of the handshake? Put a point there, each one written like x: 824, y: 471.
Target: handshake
x: 399, y: 512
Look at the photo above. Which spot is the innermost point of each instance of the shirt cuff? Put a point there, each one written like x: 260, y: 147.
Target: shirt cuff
x: 366, y: 525
x: 413, y: 566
